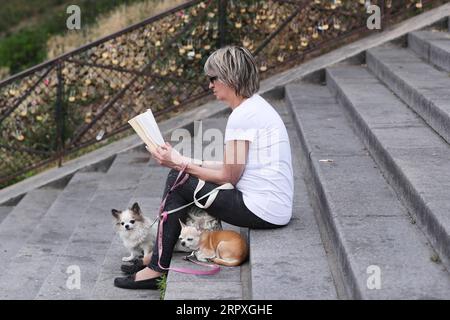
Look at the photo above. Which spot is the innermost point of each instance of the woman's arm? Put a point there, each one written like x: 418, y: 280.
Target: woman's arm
x: 204, y: 163
x: 217, y: 176
x: 235, y: 157
x: 212, y: 164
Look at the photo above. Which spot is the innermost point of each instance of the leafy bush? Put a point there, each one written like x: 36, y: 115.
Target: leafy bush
x: 26, y: 47
x: 23, y: 50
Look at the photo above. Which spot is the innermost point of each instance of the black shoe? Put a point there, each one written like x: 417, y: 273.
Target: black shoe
x: 137, y: 266
x: 129, y: 283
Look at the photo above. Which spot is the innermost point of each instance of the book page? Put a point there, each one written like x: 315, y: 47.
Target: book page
x: 142, y: 134
x: 147, y: 120
x: 147, y: 129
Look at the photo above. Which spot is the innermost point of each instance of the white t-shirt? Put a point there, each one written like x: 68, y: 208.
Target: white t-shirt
x: 267, y: 181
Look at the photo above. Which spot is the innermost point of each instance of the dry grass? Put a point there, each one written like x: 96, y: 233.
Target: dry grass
x: 106, y: 24
x: 4, y: 72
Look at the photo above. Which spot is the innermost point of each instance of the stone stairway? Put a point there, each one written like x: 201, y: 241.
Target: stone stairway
x: 92, y: 237
x: 375, y: 136
x: 432, y: 46
x: 27, y: 269
x: 367, y: 224
x: 370, y: 150
x: 147, y: 193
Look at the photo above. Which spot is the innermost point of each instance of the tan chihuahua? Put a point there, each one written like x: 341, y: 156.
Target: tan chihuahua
x: 223, y: 247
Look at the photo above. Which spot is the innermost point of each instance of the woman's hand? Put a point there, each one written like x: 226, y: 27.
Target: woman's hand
x: 168, y: 157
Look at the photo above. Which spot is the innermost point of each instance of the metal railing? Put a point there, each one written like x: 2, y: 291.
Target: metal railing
x: 83, y: 97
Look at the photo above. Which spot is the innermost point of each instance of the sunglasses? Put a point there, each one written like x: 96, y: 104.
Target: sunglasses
x: 212, y: 79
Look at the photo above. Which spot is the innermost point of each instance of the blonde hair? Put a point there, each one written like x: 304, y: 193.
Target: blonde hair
x: 236, y: 67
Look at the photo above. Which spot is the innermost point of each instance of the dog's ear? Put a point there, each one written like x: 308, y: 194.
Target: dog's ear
x: 182, y: 224
x: 115, y: 213
x: 136, y: 208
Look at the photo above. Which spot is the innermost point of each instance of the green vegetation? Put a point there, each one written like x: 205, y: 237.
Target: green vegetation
x: 435, y: 258
x: 22, y: 50
x: 26, y: 25
x: 14, y: 12
x: 162, y: 285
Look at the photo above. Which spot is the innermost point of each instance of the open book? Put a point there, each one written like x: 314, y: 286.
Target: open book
x: 147, y: 129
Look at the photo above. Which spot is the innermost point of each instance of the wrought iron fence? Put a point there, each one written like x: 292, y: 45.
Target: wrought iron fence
x: 86, y: 96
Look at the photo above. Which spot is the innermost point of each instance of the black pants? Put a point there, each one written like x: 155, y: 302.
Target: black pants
x: 228, y: 207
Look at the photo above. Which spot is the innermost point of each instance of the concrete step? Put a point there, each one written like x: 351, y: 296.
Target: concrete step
x: 4, y: 211
x: 152, y: 182
x: 418, y: 84
x: 433, y: 46
x: 290, y: 263
x: 216, y: 123
x: 413, y: 157
x: 104, y: 286
x: 21, y: 221
x: 94, y: 233
x: 225, y: 285
x: 148, y: 194
x: 26, y: 271
x: 371, y: 232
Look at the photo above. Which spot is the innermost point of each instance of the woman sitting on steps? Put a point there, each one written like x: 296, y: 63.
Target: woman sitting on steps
x: 261, y: 171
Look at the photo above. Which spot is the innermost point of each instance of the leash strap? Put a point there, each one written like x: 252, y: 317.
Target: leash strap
x: 163, y: 217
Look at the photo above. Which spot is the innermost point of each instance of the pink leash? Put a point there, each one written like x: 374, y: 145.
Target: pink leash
x: 163, y: 217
